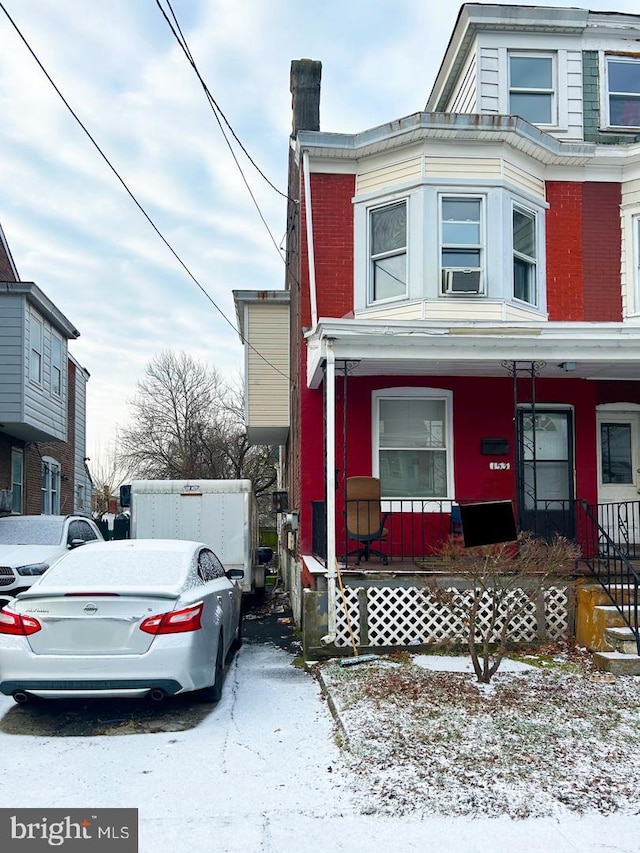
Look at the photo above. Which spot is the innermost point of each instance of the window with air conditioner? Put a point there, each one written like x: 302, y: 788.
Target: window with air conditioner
x: 462, y: 245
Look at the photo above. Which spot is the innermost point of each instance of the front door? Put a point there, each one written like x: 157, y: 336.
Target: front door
x: 619, y: 477
x: 545, y: 472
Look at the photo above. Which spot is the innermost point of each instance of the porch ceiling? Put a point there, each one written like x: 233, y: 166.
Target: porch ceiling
x: 604, y: 351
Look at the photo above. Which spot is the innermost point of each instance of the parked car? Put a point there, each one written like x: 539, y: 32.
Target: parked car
x: 130, y: 618
x: 29, y: 544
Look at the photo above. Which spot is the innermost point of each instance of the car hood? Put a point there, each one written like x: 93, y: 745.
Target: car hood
x: 25, y: 555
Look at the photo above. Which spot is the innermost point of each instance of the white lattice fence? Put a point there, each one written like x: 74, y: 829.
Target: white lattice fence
x: 407, y: 616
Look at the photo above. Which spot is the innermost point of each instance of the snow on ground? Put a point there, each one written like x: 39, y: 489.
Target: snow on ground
x: 538, y: 742
x: 262, y: 771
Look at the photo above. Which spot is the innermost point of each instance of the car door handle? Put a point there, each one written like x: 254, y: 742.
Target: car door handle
x: 219, y: 597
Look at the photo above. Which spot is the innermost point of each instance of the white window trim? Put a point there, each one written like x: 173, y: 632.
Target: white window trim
x: 57, y: 367
x: 17, y: 452
x: 414, y: 504
x: 537, y: 54
x: 33, y: 320
x: 482, y: 247
x: 51, y: 497
x: 515, y: 206
x: 371, y: 301
x: 605, y: 103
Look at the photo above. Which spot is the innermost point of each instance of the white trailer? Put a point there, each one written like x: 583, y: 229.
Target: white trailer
x: 221, y: 513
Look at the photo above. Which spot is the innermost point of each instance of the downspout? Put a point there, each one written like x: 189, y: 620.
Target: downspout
x: 310, y: 253
x: 330, y: 380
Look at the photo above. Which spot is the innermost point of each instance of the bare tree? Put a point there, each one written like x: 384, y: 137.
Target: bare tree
x: 108, y: 472
x: 188, y: 423
x: 500, y: 583
x: 171, y: 414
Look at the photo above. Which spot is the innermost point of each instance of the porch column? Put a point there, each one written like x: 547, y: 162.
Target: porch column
x: 330, y: 479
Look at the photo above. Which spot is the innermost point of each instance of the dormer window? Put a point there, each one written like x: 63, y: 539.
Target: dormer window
x: 388, y: 251
x: 623, y: 91
x: 531, y: 87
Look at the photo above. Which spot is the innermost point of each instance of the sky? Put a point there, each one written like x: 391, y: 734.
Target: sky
x: 73, y: 229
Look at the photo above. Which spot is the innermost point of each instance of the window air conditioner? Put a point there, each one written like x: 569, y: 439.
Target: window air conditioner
x: 463, y: 280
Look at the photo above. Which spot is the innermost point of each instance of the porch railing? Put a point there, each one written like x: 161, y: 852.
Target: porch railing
x: 609, y: 562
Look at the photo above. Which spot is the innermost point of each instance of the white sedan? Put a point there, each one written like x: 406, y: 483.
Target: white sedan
x: 130, y: 618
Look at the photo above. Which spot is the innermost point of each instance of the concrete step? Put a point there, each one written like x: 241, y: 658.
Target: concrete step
x: 605, y: 616
x: 617, y: 663
x: 621, y: 639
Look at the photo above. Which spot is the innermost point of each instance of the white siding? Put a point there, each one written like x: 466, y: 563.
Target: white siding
x: 472, y: 168
x: 573, y: 94
x: 267, y: 331
x: 489, y: 81
x: 40, y: 406
x: 389, y: 175
x: 465, y: 99
x: 526, y: 181
x: 454, y: 310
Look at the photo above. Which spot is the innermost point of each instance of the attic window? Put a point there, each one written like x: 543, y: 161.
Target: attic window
x: 531, y: 87
x: 623, y: 87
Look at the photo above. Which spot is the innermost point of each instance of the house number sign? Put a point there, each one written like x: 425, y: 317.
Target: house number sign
x: 499, y: 466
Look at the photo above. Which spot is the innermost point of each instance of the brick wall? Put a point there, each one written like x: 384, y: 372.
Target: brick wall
x: 583, y: 251
x: 333, y: 242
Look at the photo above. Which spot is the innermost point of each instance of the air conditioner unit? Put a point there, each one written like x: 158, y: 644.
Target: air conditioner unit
x: 463, y: 280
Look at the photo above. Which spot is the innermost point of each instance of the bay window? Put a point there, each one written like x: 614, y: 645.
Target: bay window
x: 388, y: 251
x: 461, y: 244
x: 524, y: 255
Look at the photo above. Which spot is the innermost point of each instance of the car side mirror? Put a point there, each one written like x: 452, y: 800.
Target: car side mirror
x: 234, y: 574
x: 75, y: 543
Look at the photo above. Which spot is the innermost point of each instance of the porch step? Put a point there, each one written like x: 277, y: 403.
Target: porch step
x: 617, y: 663
x: 605, y: 616
x: 595, y: 612
x: 621, y: 640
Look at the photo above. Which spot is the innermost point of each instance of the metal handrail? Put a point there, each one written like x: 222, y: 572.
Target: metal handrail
x: 612, y: 569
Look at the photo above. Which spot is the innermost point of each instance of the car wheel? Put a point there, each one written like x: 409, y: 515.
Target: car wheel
x: 214, y: 692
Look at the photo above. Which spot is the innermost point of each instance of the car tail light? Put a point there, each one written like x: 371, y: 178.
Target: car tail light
x: 15, y: 623
x: 175, y: 622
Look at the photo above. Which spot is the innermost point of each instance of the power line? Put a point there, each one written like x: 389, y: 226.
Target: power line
x: 133, y: 197
x: 218, y: 113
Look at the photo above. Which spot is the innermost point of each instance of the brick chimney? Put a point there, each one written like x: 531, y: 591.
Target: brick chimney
x: 305, y: 94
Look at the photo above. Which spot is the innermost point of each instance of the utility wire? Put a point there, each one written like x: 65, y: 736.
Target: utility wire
x: 133, y: 197
x: 215, y: 106
x: 218, y: 113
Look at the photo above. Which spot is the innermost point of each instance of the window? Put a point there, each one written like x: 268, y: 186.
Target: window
x: 17, y: 478
x: 524, y: 255
x: 413, y: 444
x: 50, y: 487
x: 209, y: 566
x: 35, y: 356
x: 388, y: 251
x: 56, y: 366
x: 461, y: 242
x: 623, y: 90
x: 531, y: 87
x: 80, y: 530
x: 615, y: 444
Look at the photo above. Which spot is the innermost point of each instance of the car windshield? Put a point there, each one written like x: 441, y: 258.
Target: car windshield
x: 117, y: 567
x: 36, y: 530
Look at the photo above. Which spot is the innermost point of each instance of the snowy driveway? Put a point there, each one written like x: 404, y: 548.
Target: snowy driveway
x: 259, y: 773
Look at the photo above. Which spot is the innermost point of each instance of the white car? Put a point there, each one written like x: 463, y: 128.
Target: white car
x: 132, y: 618
x: 29, y: 544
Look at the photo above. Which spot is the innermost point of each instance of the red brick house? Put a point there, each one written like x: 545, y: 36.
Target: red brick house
x: 42, y: 403
x: 463, y: 290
